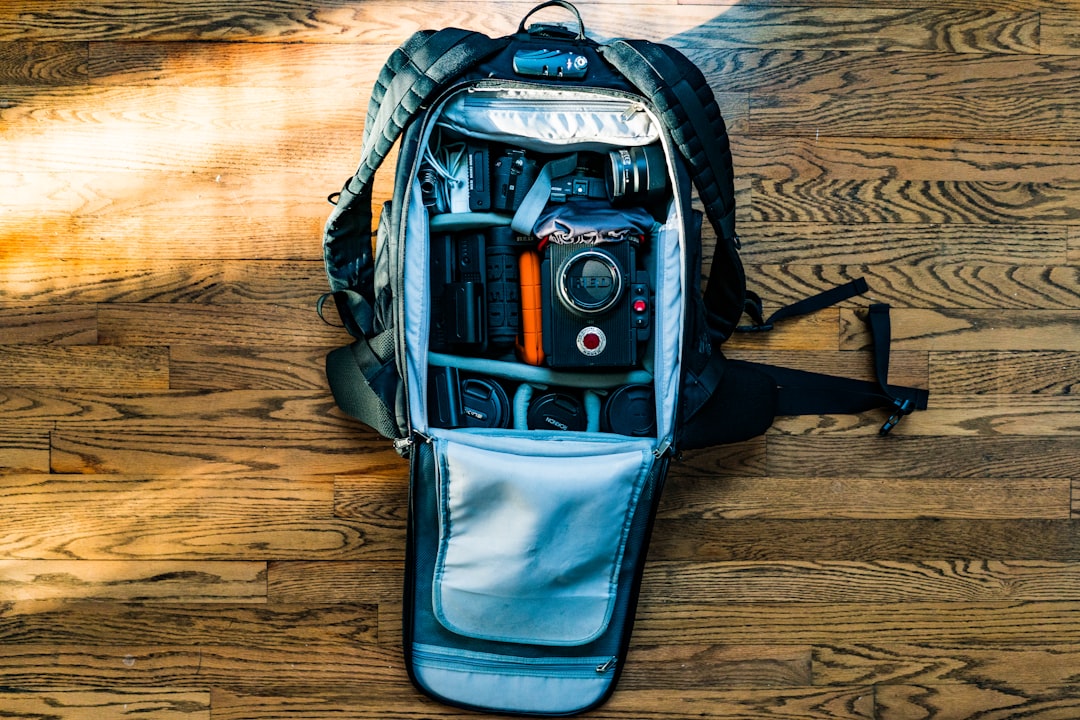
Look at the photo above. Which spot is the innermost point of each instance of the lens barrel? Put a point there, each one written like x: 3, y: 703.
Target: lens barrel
x: 636, y: 172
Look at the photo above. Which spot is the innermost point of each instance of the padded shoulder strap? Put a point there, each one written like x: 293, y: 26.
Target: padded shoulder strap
x: 413, y: 74
x: 689, y: 109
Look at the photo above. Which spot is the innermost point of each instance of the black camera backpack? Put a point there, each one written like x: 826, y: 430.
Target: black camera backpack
x: 532, y: 332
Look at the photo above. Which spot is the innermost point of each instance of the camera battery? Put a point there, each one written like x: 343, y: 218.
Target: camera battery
x: 479, y: 164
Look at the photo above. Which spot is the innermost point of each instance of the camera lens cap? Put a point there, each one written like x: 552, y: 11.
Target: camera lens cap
x: 631, y: 410
x: 484, y: 404
x: 556, y: 411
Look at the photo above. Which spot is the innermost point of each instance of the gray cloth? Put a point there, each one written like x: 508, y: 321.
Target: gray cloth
x: 592, y: 221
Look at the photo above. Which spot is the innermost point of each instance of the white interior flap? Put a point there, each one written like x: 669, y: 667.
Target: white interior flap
x: 531, y: 546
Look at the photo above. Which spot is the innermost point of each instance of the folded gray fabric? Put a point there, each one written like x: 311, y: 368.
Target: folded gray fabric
x: 591, y: 221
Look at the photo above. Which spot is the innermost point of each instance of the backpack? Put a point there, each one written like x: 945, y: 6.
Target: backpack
x: 533, y: 332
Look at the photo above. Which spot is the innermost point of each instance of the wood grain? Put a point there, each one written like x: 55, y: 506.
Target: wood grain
x: 1004, y: 372
x: 184, y: 581
x: 823, y: 623
x: 83, y: 366
x: 39, y: 64
x: 89, y: 704
x: 914, y: 114
x: 863, y: 582
x: 971, y: 330
x: 192, y: 530
x: 946, y: 664
x: 864, y: 539
x: 806, y: 498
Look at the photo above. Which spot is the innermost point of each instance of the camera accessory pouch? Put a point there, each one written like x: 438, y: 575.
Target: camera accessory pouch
x: 531, y: 545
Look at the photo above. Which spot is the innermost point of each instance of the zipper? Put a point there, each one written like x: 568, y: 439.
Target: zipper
x: 638, y: 102
x: 664, y: 448
x: 607, y: 665
x: 404, y: 444
x: 468, y: 660
x: 568, y: 105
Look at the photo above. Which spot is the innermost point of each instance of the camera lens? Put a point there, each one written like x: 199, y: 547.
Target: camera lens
x: 484, y: 404
x: 636, y: 171
x: 557, y: 411
x: 631, y: 410
x: 590, y: 282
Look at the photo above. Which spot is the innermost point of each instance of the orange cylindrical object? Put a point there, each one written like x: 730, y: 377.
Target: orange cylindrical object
x: 530, y: 345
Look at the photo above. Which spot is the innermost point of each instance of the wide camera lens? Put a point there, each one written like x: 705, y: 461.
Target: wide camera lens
x: 636, y: 172
x: 590, y: 282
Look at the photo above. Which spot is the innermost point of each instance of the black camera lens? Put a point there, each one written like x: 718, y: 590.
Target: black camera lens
x: 636, y: 172
x: 590, y: 282
x: 484, y: 404
x: 557, y: 411
x: 631, y: 410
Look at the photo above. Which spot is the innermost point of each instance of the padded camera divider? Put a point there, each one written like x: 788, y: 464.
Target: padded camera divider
x: 452, y: 222
x: 743, y: 405
x: 539, y: 375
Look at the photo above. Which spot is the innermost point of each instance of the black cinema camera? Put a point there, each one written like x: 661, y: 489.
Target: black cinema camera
x: 597, y: 306
x: 475, y: 291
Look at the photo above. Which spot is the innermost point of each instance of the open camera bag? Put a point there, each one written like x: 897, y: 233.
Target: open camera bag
x: 534, y: 483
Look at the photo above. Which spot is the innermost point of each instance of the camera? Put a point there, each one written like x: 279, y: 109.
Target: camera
x: 597, y: 306
x: 502, y: 184
x: 623, y: 176
x: 585, y: 182
x: 475, y: 291
x: 512, y: 176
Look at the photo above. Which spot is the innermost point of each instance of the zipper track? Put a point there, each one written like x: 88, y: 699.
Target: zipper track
x: 590, y: 667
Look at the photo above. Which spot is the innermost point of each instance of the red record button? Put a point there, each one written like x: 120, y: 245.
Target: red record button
x: 591, y: 341
x: 640, y: 306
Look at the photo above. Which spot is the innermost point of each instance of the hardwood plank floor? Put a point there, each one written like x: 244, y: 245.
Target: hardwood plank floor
x: 192, y: 530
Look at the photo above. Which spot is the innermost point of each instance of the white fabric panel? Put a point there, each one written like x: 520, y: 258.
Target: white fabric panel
x: 531, y: 546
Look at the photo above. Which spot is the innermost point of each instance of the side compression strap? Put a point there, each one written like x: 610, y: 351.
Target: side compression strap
x: 805, y: 306
x: 810, y: 393
x: 364, y: 382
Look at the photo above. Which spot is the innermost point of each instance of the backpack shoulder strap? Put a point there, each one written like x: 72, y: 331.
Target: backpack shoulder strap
x: 412, y: 75
x: 688, y: 107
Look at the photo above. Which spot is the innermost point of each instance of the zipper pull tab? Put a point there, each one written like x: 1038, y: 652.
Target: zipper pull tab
x: 663, y: 448
x: 632, y: 110
x: 403, y: 445
x: 606, y: 665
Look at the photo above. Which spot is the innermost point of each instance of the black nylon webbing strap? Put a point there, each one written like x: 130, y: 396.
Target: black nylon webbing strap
x: 805, y: 306
x: 809, y: 393
x: 425, y: 64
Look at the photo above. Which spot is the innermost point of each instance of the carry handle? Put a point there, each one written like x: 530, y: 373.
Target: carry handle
x: 551, y: 3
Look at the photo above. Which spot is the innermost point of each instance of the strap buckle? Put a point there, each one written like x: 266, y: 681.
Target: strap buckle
x: 903, y: 409
x: 756, y: 327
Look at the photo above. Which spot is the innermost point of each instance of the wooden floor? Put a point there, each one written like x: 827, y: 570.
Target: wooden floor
x: 191, y: 530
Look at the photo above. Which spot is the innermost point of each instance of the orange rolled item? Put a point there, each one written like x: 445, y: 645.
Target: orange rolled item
x: 530, y: 345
